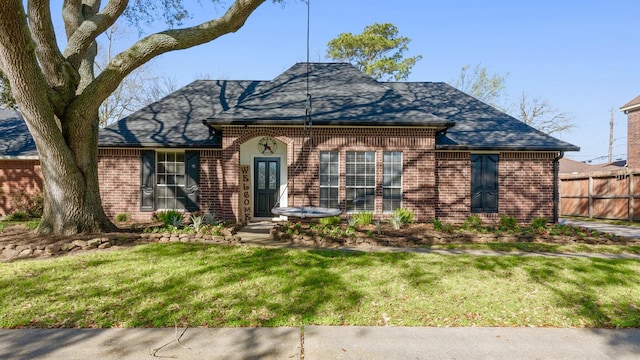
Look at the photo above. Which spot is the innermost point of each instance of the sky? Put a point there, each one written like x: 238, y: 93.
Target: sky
x: 581, y: 56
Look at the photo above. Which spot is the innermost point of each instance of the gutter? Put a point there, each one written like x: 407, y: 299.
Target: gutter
x: 556, y: 187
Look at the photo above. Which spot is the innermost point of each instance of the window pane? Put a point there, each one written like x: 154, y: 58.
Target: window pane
x: 272, y: 175
x: 392, y: 181
x: 329, y: 178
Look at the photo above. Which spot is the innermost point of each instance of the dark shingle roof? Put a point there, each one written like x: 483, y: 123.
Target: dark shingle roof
x: 15, y: 139
x: 341, y: 95
x: 177, y: 119
x: 478, y: 125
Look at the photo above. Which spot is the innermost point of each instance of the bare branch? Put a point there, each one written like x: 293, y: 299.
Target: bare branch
x: 538, y: 113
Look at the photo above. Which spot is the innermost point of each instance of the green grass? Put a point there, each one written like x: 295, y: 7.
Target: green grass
x: 164, y: 285
x: 542, y: 247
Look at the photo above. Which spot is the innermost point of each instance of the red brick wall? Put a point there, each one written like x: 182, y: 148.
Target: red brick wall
x: 633, y: 139
x: 119, y: 175
x: 525, y: 186
x: 417, y: 146
x: 18, y: 175
x: 453, y: 186
x: 434, y: 184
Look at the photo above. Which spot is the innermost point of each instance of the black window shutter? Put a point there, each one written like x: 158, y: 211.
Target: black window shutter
x: 484, y: 183
x: 147, y: 180
x: 192, y: 189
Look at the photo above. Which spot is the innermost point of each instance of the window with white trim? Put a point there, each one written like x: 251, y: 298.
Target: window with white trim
x: 361, y: 180
x: 391, y: 180
x: 170, y: 180
x: 329, y: 179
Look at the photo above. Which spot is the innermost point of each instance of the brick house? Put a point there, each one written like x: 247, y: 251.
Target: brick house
x: 238, y: 148
x: 632, y: 109
x: 19, y: 165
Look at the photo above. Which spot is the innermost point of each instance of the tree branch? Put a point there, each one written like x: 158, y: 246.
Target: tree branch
x: 87, y: 29
x: 156, y: 44
x: 50, y: 59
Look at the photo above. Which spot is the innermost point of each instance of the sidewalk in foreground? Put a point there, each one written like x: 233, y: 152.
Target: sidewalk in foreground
x: 321, y: 342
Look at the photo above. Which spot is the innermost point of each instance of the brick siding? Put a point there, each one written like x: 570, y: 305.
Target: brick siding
x: 633, y: 139
x: 16, y: 176
x: 434, y: 184
x: 525, y: 186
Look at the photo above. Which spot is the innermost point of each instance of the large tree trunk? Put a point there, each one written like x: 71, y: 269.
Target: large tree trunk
x: 59, y: 96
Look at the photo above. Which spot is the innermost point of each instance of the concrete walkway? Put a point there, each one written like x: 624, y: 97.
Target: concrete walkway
x: 320, y: 343
x: 630, y: 232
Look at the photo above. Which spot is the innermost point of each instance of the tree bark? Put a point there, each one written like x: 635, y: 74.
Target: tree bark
x: 59, y: 96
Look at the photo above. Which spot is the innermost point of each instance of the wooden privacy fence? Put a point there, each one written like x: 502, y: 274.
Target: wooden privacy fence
x: 604, y: 194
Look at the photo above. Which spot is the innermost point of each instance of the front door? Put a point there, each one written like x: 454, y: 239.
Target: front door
x: 266, y: 183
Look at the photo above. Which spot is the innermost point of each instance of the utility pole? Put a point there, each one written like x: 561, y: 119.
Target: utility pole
x: 611, y: 136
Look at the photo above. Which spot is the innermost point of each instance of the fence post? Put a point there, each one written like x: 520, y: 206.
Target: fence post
x: 590, y: 194
x: 631, y: 197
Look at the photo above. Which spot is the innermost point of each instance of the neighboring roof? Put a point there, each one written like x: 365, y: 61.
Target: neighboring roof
x: 177, y: 119
x: 15, y: 139
x: 478, y: 126
x: 631, y: 105
x: 340, y: 95
x: 568, y: 166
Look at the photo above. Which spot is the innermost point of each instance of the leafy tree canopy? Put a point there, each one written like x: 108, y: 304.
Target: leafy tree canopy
x: 378, y: 51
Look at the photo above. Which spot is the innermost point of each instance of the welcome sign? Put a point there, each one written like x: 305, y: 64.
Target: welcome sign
x: 245, y: 193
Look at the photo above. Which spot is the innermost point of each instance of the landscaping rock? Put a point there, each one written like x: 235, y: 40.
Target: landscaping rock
x: 52, y: 248
x: 8, y: 253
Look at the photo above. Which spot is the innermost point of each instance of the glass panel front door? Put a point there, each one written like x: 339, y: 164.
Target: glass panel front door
x: 266, y: 185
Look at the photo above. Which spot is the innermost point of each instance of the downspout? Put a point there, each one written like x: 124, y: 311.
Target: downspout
x: 556, y: 187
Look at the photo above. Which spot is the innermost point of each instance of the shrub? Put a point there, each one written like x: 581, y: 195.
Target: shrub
x: 539, y: 223
x: 364, y: 217
x: 17, y: 216
x: 508, y: 222
x: 473, y: 222
x: 332, y: 220
x: 122, y: 217
x: 168, y: 217
x: 29, y: 204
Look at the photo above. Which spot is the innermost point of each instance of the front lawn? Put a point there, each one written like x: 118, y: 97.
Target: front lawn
x: 178, y: 284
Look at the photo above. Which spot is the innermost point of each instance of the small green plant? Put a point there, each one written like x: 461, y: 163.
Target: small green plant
x: 196, y: 222
x: 437, y: 225
x: 364, y: 217
x: 166, y: 216
x: 333, y: 220
x: 508, y: 222
x: 122, y: 217
x: 209, y: 218
x: 18, y: 216
x: 473, y: 222
x: 539, y: 223
x: 352, y: 222
x: 406, y: 216
x: 395, y: 221
x: 176, y: 221
x: 2, y: 225
x: 33, y: 224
